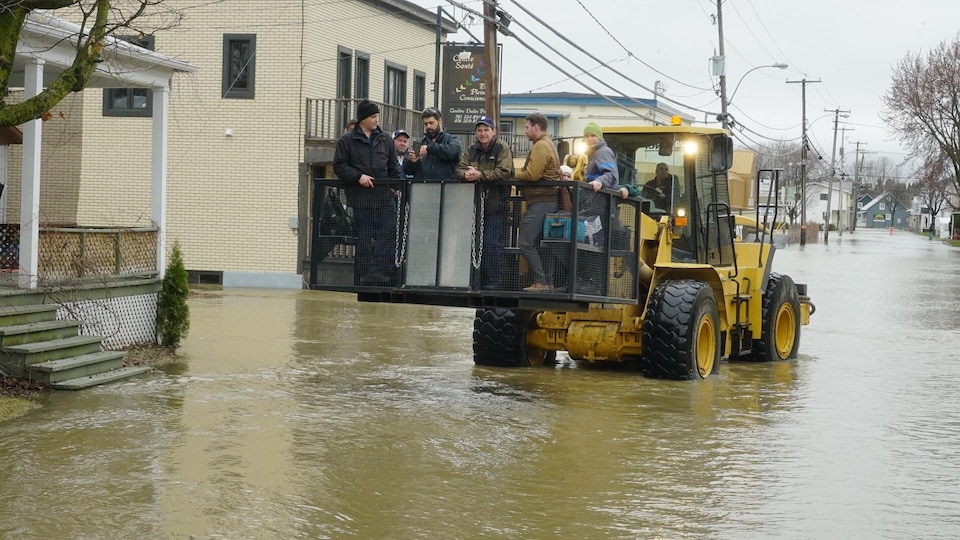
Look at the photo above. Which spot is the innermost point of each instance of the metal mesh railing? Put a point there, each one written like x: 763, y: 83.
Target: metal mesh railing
x: 9, y: 247
x: 462, y: 238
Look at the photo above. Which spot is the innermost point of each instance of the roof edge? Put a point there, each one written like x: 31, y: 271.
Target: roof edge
x: 422, y: 15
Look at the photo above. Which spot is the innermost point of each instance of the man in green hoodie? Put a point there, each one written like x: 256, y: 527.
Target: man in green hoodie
x: 542, y: 163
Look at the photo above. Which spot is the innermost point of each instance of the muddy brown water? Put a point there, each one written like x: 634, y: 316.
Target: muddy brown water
x: 300, y: 414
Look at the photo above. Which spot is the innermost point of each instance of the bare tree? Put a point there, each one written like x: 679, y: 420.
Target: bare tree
x: 98, y: 18
x: 934, y: 183
x: 922, y: 105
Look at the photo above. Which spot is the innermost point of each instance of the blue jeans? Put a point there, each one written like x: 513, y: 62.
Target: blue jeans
x: 492, y: 262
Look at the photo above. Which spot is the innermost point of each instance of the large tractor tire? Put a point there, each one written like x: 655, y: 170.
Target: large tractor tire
x: 681, y: 332
x: 500, y: 339
x: 780, y: 334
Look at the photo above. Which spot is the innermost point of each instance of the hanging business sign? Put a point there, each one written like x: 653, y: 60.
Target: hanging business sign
x: 464, y: 86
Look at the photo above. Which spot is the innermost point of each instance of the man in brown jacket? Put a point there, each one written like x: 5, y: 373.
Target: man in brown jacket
x: 542, y: 164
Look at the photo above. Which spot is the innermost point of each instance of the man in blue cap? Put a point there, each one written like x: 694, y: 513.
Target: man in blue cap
x: 401, y: 139
x: 489, y: 160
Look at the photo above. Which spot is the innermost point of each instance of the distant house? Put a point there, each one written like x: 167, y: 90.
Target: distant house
x: 839, y: 204
x: 883, y: 212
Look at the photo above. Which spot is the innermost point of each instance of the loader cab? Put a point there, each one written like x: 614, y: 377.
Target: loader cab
x: 694, y: 161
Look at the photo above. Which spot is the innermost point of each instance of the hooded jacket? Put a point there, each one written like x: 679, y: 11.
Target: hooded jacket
x: 602, y: 168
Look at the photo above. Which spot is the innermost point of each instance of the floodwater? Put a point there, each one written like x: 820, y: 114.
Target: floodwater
x: 301, y: 414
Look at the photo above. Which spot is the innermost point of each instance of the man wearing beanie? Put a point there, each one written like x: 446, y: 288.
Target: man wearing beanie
x: 542, y: 163
x: 601, y: 172
x: 439, y: 151
x: 366, y: 158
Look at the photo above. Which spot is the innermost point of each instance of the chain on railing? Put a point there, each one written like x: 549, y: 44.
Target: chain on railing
x: 477, y: 253
x: 400, y: 245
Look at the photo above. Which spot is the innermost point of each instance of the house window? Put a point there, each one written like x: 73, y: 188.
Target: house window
x: 419, y: 90
x: 344, y: 81
x: 130, y: 101
x: 363, y: 76
x: 239, y: 66
x: 823, y: 196
x: 882, y: 206
x: 395, y: 85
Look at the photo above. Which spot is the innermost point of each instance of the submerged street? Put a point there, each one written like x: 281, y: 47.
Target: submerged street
x: 304, y: 414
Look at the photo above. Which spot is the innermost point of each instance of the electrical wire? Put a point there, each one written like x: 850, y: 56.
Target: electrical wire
x: 554, y: 65
x: 630, y: 53
x: 591, y: 56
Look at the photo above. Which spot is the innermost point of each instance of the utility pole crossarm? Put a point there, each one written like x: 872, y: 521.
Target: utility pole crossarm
x: 833, y: 170
x: 803, y: 160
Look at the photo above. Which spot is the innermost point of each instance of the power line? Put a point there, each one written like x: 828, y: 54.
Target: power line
x: 547, y: 60
x: 630, y: 53
x: 590, y: 55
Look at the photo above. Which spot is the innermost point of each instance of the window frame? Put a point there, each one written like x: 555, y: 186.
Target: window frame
x: 147, y: 42
x: 361, y: 77
x: 419, y: 90
x: 227, y: 89
x: 389, y: 67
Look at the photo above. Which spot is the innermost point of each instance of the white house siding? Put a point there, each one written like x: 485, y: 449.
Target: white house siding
x: 581, y: 115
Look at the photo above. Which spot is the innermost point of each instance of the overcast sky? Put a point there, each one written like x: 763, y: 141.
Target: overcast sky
x: 850, y: 46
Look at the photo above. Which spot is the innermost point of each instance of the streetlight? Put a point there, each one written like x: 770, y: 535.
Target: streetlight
x: 725, y: 101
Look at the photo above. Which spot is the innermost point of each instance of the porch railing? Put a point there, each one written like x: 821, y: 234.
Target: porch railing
x: 326, y: 119
x: 74, y: 253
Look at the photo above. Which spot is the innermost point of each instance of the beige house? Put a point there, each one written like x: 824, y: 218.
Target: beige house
x: 240, y: 150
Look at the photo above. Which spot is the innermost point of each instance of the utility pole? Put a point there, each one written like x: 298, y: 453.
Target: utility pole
x: 857, y: 165
x: 803, y: 161
x: 723, y: 71
x: 490, y: 51
x: 842, y: 212
x: 833, y: 172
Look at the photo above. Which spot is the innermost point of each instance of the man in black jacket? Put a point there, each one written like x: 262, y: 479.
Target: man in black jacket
x: 366, y: 158
x: 439, y: 151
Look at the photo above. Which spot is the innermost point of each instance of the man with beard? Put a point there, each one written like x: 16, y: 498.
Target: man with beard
x: 438, y: 153
x: 542, y: 163
x: 489, y: 160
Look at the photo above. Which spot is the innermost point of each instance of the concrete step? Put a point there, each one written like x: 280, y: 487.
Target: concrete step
x: 33, y: 332
x: 17, y: 357
x: 65, y: 369
x: 102, y: 378
x: 10, y: 315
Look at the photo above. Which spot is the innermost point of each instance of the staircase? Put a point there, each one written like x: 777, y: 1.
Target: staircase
x: 34, y: 345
